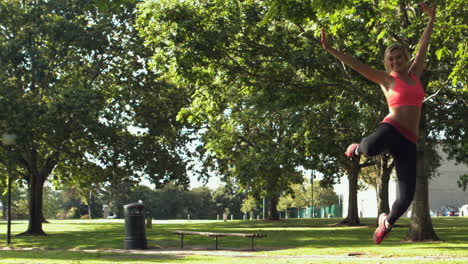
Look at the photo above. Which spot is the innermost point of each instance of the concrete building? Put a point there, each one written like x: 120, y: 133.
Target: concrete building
x: 443, y: 190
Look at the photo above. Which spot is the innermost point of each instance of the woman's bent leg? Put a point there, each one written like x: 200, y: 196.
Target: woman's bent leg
x: 379, y: 141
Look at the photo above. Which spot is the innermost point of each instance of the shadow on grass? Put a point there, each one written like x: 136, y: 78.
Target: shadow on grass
x: 83, y: 256
x: 304, y: 235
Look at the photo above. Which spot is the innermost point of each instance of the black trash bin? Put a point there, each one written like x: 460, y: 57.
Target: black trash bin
x: 135, y: 232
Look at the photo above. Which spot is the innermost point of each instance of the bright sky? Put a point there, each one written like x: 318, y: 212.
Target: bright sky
x: 213, y: 183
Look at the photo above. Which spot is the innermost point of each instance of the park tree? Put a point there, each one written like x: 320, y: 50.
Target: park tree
x: 144, y: 194
x: 174, y: 202
x: 76, y: 89
x: 378, y: 177
x: 242, y: 86
x: 303, y: 196
x: 249, y: 206
x: 53, y: 202
x: 201, y: 203
x: 264, y: 99
x: 171, y: 202
x: 19, y: 209
x: 72, y: 206
x: 463, y: 182
x: 86, y: 182
x: 228, y: 196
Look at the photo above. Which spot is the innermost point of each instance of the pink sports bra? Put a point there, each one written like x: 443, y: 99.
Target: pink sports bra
x: 405, y: 94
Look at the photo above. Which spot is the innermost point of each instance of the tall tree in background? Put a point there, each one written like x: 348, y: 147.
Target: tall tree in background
x: 242, y: 87
x: 266, y: 97
x: 75, y: 89
x: 87, y: 183
x: 378, y: 177
x: 301, y: 196
x: 230, y: 197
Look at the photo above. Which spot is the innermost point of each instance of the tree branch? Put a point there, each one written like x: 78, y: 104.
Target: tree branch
x: 437, y: 92
x: 367, y: 164
x: 403, y: 15
x: 304, y: 33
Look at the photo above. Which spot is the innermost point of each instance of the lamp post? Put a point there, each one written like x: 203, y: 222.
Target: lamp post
x: 264, y: 208
x: 9, y: 140
x: 312, y: 176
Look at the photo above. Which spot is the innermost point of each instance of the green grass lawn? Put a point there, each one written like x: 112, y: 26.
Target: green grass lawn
x: 287, y: 241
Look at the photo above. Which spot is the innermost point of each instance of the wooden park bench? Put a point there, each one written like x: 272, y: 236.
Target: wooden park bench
x: 216, y: 235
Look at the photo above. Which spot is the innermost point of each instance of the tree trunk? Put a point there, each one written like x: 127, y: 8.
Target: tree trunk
x: 382, y: 195
x: 382, y: 187
x: 352, y: 219
x: 272, y: 204
x: 271, y: 194
x: 421, y: 228
x: 44, y: 220
x: 36, y: 187
x: 90, y: 205
x: 89, y: 212
x: 4, y: 208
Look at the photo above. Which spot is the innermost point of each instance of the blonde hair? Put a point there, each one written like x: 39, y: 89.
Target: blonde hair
x: 391, y: 48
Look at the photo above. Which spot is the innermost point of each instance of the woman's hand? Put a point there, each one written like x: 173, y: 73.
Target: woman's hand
x: 429, y: 10
x: 324, y: 41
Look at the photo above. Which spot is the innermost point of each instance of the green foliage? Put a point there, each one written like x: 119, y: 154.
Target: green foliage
x: 174, y: 202
x: 249, y: 206
x: 257, y: 89
x: 228, y: 197
x: 297, y: 11
x: 19, y: 207
x: 449, y: 74
x: 302, y: 195
x: 73, y: 213
x: 169, y: 202
x: 463, y: 182
x: 116, y: 194
x: 53, y: 203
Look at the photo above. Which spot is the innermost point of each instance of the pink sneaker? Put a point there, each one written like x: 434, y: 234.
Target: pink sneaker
x: 351, y: 151
x: 381, y: 232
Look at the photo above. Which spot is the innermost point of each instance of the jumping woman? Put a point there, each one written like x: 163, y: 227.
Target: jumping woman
x: 398, y: 132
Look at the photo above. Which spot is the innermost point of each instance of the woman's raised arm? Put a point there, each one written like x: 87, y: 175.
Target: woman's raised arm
x: 417, y: 67
x: 370, y: 73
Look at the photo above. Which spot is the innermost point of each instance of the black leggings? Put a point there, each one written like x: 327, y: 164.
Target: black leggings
x: 403, y: 151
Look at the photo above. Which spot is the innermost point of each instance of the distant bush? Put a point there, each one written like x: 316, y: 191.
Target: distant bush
x: 86, y: 216
x: 73, y: 213
x: 61, y: 215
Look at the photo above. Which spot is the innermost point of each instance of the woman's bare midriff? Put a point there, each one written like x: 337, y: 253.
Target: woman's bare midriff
x: 407, y: 116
